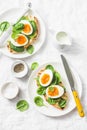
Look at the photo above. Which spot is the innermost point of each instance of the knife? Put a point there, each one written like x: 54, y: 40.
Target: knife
x: 7, y: 33
x: 71, y: 82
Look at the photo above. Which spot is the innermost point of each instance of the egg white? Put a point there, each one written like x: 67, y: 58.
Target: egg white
x: 27, y: 22
x: 60, y: 89
x: 16, y: 44
x: 49, y: 72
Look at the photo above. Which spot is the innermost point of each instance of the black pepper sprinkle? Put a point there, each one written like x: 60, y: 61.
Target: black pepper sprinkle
x: 18, y: 68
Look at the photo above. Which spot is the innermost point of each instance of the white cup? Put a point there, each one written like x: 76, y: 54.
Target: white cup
x: 63, y: 40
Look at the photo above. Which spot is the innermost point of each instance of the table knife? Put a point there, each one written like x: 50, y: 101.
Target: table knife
x: 71, y: 82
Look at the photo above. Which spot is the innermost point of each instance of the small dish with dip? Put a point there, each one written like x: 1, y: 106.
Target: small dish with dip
x: 63, y: 40
x: 19, y: 69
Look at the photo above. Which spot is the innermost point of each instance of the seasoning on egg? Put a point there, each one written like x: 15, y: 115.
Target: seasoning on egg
x: 18, y: 68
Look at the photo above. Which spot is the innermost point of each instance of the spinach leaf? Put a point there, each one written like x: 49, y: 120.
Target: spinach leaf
x: 38, y: 101
x: 15, y: 48
x: 30, y: 49
x: 39, y: 85
x: 41, y: 90
x: 22, y: 105
x: 4, y: 26
x: 37, y: 80
x: 15, y: 35
x: 56, y: 75
x: 34, y: 27
x: 33, y: 35
x: 34, y: 65
x: 51, y: 101
x: 64, y: 89
x: 62, y: 103
x: 56, y: 78
x: 18, y: 26
x: 50, y: 67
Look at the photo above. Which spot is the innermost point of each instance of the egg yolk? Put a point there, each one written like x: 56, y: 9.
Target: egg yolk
x: 27, y: 28
x: 53, y: 92
x: 45, y: 78
x: 21, y: 39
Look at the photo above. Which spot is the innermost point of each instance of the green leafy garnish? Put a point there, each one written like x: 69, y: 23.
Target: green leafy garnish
x: 18, y: 26
x: 34, y: 26
x: 30, y: 49
x: 22, y: 105
x: 4, y: 26
x: 15, y: 35
x: 34, y: 65
x: 39, y: 101
x: 51, y: 101
x: 64, y: 89
x: 15, y: 48
x: 41, y: 91
x: 62, y: 103
x: 37, y: 79
x: 17, y: 29
x: 56, y: 75
x: 50, y: 67
x: 56, y: 78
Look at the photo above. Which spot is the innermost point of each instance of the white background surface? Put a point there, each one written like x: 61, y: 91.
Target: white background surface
x: 70, y: 16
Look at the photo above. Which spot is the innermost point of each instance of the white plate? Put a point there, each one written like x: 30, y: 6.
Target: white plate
x: 11, y: 15
x: 50, y: 110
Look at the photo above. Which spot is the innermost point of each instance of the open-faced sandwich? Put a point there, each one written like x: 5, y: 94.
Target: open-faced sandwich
x: 49, y: 84
x: 24, y: 34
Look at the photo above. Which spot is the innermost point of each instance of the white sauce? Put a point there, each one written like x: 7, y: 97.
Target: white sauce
x: 63, y: 38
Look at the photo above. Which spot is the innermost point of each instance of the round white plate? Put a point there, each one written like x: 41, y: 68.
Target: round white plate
x: 11, y: 15
x: 50, y: 110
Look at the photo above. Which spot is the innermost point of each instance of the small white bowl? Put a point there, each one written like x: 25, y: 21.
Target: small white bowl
x: 22, y: 73
x: 9, y: 90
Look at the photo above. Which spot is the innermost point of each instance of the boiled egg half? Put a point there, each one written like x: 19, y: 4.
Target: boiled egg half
x: 21, y: 40
x: 46, y: 78
x: 27, y: 30
x: 54, y: 91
